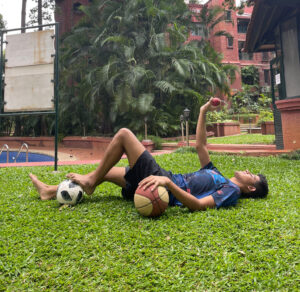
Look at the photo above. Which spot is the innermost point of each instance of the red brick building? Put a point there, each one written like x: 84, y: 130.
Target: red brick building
x: 68, y: 14
x: 232, y: 48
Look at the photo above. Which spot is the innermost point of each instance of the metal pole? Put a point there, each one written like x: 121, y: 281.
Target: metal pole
x: 146, y: 131
x: 29, y: 27
x: 187, y: 132
x: 56, y: 94
x: 26, y: 113
x: 250, y: 120
x: 1, y: 72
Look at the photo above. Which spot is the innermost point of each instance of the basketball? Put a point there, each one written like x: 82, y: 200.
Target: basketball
x: 151, y: 203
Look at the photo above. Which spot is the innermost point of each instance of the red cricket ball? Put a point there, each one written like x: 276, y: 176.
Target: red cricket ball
x: 215, y: 101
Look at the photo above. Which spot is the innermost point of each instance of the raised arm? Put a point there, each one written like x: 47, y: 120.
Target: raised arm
x: 201, y: 141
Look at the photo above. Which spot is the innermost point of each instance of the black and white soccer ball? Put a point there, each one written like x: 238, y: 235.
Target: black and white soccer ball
x: 69, y: 193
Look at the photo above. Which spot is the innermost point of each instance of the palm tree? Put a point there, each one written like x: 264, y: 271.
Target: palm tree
x: 131, y: 61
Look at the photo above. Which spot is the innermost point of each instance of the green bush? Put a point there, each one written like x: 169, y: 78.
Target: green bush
x: 216, y: 117
x: 245, y: 117
x: 295, y: 155
x: 265, y: 116
x: 186, y: 149
x: 264, y: 101
x: 157, y: 141
x: 250, y: 75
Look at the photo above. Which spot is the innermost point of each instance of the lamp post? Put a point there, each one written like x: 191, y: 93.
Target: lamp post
x: 186, y: 115
x: 181, y: 124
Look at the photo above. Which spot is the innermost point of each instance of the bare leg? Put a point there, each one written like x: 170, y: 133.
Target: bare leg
x: 123, y: 142
x: 116, y: 176
x: 48, y: 192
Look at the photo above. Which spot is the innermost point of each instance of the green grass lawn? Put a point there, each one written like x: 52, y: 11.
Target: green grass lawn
x: 102, y: 244
x: 243, y: 139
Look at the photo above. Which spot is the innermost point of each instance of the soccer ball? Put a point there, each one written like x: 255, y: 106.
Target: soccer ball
x: 69, y: 193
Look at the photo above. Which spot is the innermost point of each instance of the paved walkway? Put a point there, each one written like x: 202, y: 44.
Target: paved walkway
x: 75, y: 156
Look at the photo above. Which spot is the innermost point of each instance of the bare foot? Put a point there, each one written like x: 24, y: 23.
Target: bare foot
x: 84, y: 181
x: 46, y: 192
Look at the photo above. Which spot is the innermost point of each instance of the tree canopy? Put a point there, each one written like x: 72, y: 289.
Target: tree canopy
x: 2, y: 23
x: 130, y: 60
x: 43, y: 11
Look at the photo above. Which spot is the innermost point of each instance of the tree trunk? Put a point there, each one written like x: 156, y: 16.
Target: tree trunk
x: 23, y: 15
x: 40, y: 15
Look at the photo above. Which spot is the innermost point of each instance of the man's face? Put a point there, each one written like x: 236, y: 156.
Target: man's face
x: 246, y: 178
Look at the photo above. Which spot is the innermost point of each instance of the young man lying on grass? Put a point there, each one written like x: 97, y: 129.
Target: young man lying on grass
x: 205, y: 188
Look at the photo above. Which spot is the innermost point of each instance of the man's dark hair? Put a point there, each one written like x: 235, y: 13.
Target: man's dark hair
x: 261, y: 188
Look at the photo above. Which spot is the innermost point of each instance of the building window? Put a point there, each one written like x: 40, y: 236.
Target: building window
x: 242, y: 54
x: 198, y: 29
x: 228, y: 15
x: 76, y: 6
x: 267, y: 76
x: 229, y: 42
x: 265, y: 56
x: 195, y: 10
x: 242, y: 25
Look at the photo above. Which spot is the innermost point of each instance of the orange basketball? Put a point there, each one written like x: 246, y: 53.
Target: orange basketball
x: 151, y: 203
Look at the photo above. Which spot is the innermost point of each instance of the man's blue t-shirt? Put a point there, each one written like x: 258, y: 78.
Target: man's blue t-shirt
x: 205, y: 182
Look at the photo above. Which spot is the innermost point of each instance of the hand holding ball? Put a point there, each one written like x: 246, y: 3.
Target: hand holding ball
x: 215, y: 101
x: 151, y: 203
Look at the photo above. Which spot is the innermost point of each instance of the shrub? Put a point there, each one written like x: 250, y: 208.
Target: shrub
x: 157, y: 141
x: 245, y: 101
x: 216, y: 117
x: 186, y: 149
x: 295, y: 155
x: 265, y: 116
x: 245, y: 117
x: 250, y: 75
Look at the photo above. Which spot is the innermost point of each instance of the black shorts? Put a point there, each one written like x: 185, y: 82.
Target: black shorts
x: 144, y: 167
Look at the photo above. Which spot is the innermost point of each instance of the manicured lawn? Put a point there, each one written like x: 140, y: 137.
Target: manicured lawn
x: 243, y: 139
x: 103, y: 244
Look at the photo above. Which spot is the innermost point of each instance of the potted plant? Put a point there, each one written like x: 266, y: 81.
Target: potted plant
x: 266, y: 122
x: 218, y: 123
